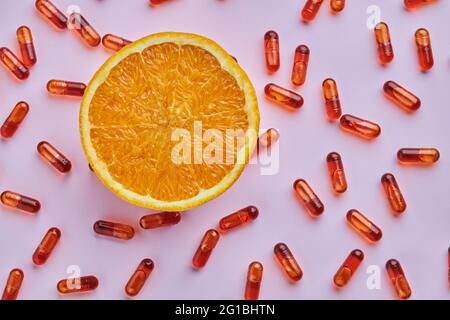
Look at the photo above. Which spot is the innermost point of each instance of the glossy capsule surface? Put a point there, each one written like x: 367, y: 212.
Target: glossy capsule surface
x: 272, y: 50
x: 398, y: 279
x: 46, y: 246
x: 114, y: 229
x: 205, y: 248
x: 424, y: 51
x: 300, y: 68
x: 160, y: 219
x: 66, y: 88
x: 76, y: 285
x: 287, y: 261
x: 348, y: 268
x: 311, y: 9
x: 139, y: 277
x: 13, y: 285
x: 113, y: 42
x: 418, y: 156
x: 268, y: 138
x: 238, y: 218
x: 336, y: 172
x: 400, y: 96
x: 393, y: 193
x: 332, y: 101
x: 156, y: 2
x: 284, y: 97
x: 26, y: 46
x: 84, y: 30
x: 17, y: 201
x: 15, y: 118
x: 13, y: 64
x: 50, y: 154
x: 53, y: 15
x: 254, y: 279
x: 360, y: 127
x: 384, y: 44
x: 337, y: 5
x: 364, y: 226
x: 308, y: 198
x: 413, y: 4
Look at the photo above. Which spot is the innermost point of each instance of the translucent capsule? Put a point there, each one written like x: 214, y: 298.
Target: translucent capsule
x: 300, y: 67
x: 360, y: 127
x: 14, y: 119
x: 401, y: 96
x: 66, y: 88
x: 284, y: 97
x: 337, y: 5
x: 398, y: 279
x: 413, y: 4
x: 364, y: 226
x: 288, y: 262
x: 77, y: 285
x: 13, y: 64
x: 114, y: 43
x: 15, y: 200
x: 46, y: 246
x: 254, y: 278
x: 424, y: 51
x: 268, y: 138
x: 26, y: 46
x: 310, y: 9
x: 160, y: 219
x: 238, y: 218
x: 308, y: 198
x: 418, y: 156
x: 336, y: 172
x: 53, y: 15
x: 384, y: 45
x: 205, y: 248
x: 393, y: 193
x: 348, y: 268
x: 85, y: 31
x: 272, y: 51
x: 139, y: 277
x: 13, y: 285
x: 156, y: 2
x: 113, y: 229
x: 332, y: 102
x: 50, y: 154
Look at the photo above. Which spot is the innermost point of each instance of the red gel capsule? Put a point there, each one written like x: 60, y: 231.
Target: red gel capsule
x: 268, y: 138
x: 14, y: 119
x: 300, y: 67
x: 114, y: 43
x: 84, y: 30
x: 360, y: 127
x: 332, y: 101
x: 424, y: 51
x: 53, y: 15
x: 384, y: 44
x: 398, y: 279
x: 272, y: 51
x: 66, y: 88
x: 20, y: 202
x: 238, y: 218
x: 413, y: 4
x: 401, y: 96
x: 54, y: 157
x: 288, y: 262
x: 364, y: 226
x: 348, y: 268
x: 418, y: 156
x: 77, y: 285
x: 13, y: 64
x: 336, y: 172
x: 254, y: 278
x: 139, y: 277
x: 160, y: 219
x: 311, y: 9
x: 308, y: 198
x: 393, y: 193
x: 13, y: 285
x: 26, y: 46
x: 46, y: 246
x: 113, y: 229
x: 337, y: 5
x: 205, y: 248
x: 284, y: 97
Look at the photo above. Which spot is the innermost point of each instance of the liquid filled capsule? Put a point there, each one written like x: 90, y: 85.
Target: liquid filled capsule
x: 156, y: 2
x: 364, y: 226
x: 360, y: 127
x: 254, y: 278
x: 13, y: 64
x: 398, y: 279
x: 205, y: 248
x: 14, y: 119
x: 13, y: 285
x: 418, y: 156
x: 332, y: 101
x: 401, y: 96
x: 77, y: 285
x: 413, y: 4
x: 160, y: 219
x: 311, y: 9
x: 300, y: 67
x: 284, y: 97
x: 53, y: 15
x: 337, y: 5
x: 139, y: 277
x: 308, y: 198
x: 393, y: 193
x: 268, y: 138
x: 336, y: 172
x: 66, y: 88
x: 84, y: 30
x: 348, y: 268
x: 288, y: 262
x: 46, y: 246
x: 384, y: 45
x: 114, y: 43
x: 26, y: 46
x: 272, y: 51
x: 238, y: 218
x: 17, y: 201
x: 424, y: 51
x: 113, y: 229
x: 50, y: 154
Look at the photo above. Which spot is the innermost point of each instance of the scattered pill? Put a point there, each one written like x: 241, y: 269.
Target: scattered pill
x: 348, y: 268
x: 139, y: 277
x: 55, y: 158
x: 66, y: 88
x: 401, y: 96
x: 254, y: 278
x: 337, y: 5
x: 272, y: 51
x: 114, y: 43
x: 205, y: 248
x: 13, y: 285
x: 364, y: 226
x: 113, y: 229
x: 78, y: 24
x: 26, y: 46
x: 77, y: 285
x: 418, y: 156
x: 383, y: 39
x: 308, y: 198
x: 398, y: 279
x: 160, y: 219
x: 300, y: 67
x: 14, y: 119
x: 13, y: 64
x: 288, y: 262
x: 284, y: 97
x: 238, y: 218
x: 424, y: 51
x: 53, y: 15
x: 15, y: 200
x: 311, y: 9
x: 336, y: 172
x: 393, y: 193
x: 360, y: 127
x: 46, y: 246
x: 332, y: 101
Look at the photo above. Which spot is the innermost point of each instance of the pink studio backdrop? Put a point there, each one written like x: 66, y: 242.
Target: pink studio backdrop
x: 342, y: 47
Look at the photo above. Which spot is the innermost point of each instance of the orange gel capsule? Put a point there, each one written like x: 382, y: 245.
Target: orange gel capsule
x: 288, y: 262
x: 139, y: 277
x: 114, y: 43
x: 300, y: 67
x: 348, y: 268
x: 13, y: 64
x: 284, y: 97
x: 26, y: 46
x: 308, y: 198
x: 384, y: 45
x: 268, y: 138
x: 21, y: 202
x: 13, y: 285
x: 66, y: 88
x: 254, y: 278
x: 46, y: 246
x: 364, y: 226
x: 424, y: 51
x: 401, y: 96
x: 113, y: 229
x: 336, y: 172
x: 310, y: 9
x: 14, y: 119
x: 52, y: 14
x: 332, y: 102
x: 413, y: 4
x: 238, y: 218
x: 76, y: 285
x: 160, y: 219
x: 205, y: 248
x: 360, y: 127
x: 54, y: 157
x: 418, y: 156
x: 398, y: 279
x: 156, y: 2
x: 272, y: 51
x: 81, y: 26
x: 393, y: 193
x: 337, y: 5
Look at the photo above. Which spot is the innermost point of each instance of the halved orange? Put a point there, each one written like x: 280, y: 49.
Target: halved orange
x: 144, y: 96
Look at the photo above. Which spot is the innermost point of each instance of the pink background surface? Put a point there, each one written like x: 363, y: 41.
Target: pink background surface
x: 342, y: 47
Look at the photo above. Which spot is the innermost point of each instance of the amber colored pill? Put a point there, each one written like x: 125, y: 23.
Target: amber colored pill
x: 348, y: 268
x: 254, y: 278
x: 26, y: 46
x: 284, y: 97
x: 418, y: 156
x: 398, y: 279
x: 310, y: 9
x: 384, y: 44
x: 160, y: 219
x: 52, y: 14
x: 66, y: 88
x: 113, y: 42
x: 424, y: 51
x: 413, y: 4
x: 156, y: 2
x: 336, y: 172
x: 364, y: 226
x: 14, y: 119
x: 393, y: 193
x: 13, y: 285
x: 238, y: 218
x: 82, y: 27
x: 300, y: 68
x: 54, y: 157
x: 113, y: 229
x: 76, y: 285
x: 288, y: 262
x: 272, y: 50
x: 401, y: 96
x: 205, y: 248
x: 139, y: 277
x: 13, y: 64
x: 360, y: 127
x: 46, y: 246
x: 308, y: 198
x: 337, y: 5
x: 268, y: 138
x: 332, y: 102
x: 15, y: 200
